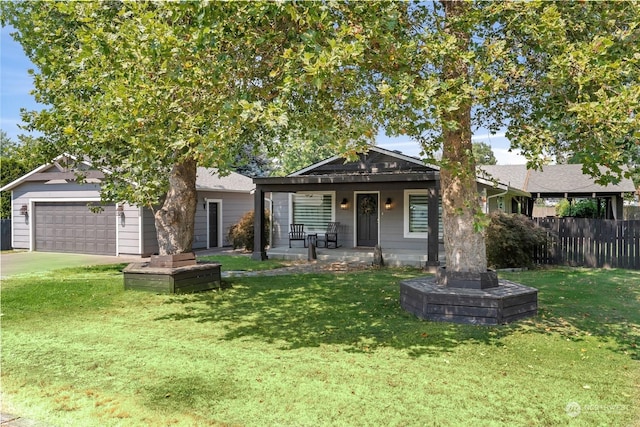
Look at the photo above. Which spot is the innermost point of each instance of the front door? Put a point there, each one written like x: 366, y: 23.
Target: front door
x: 213, y: 225
x: 367, y: 219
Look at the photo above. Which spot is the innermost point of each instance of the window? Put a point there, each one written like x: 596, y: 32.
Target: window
x: 314, y: 210
x: 416, y: 214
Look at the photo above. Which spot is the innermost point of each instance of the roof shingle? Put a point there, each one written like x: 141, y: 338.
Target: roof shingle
x: 554, y: 179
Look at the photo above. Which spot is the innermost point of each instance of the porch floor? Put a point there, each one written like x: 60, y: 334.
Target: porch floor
x: 392, y: 257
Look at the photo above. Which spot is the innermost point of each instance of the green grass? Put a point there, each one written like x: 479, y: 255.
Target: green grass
x: 315, y: 349
x: 243, y: 263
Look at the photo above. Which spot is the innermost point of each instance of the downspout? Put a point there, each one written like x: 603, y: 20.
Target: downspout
x: 497, y: 195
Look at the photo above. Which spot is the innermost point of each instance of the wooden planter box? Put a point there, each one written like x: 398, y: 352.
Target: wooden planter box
x: 191, y: 278
x: 173, y: 261
x: 505, y: 303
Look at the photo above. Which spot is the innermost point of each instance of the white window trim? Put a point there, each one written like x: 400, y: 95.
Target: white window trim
x: 333, y: 206
x: 140, y: 231
x: 408, y: 234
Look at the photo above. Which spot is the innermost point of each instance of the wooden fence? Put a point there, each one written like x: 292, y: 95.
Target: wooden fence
x: 590, y: 243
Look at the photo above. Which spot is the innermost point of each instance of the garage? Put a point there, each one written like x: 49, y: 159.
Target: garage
x: 72, y: 227
x: 50, y: 213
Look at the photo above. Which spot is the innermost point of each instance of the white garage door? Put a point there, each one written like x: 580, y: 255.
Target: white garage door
x: 72, y: 227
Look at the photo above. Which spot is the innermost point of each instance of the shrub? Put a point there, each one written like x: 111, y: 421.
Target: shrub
x: 511, y: 239
x: 241, y: 233
x: 587, y: 208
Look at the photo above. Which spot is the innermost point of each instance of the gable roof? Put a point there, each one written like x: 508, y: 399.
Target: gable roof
x: 58, y: 169
x: 374, y: 166
x: 375, y: 160
x: 555, y: 180
x: 206, y: 178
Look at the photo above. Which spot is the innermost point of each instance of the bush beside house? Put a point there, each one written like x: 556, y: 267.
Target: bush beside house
x: 241, y: 234
x: 511, y: 239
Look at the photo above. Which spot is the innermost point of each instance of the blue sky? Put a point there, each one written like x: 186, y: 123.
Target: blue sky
x: 16, y: 83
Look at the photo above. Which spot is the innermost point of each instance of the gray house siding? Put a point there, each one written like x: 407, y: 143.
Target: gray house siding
x: 391, y: 222
x: 19, y: 222
x: 280, y: 219
x: 56, y: 218
x: 129, y: 231
x: 34, y: 193
x: 235, y: 205
x: 232, y: 206
x: 344, y: 217
x: 200, y: 226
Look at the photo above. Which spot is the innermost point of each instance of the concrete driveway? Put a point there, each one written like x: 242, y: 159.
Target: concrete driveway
x: 14, y: 263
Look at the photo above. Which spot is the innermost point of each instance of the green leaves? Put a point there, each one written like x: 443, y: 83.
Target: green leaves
x: 579, y: 80
x: 154, y: 82
x: 148, y: 84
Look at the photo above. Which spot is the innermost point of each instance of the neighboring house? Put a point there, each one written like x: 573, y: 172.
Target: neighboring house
x: 50, y: 212
x: 557, y: 182
x: 384, y: 198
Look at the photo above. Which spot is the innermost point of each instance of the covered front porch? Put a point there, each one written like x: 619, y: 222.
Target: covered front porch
x: 382, y: 198
x: 392, y: 257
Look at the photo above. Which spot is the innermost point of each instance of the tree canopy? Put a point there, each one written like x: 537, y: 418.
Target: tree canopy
x: 483, y: 154
x: 138, y: 86
x: 151, y: 90
x: 154, y: 89
x: 16, y: 159
x: 558, y: 76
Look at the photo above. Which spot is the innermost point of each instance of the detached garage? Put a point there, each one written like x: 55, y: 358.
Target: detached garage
x: 51, y: 212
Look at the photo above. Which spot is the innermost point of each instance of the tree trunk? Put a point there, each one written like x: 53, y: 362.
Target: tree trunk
x: 464, y: 246
x: 175, y: 219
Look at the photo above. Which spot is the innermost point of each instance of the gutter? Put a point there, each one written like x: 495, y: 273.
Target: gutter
x: 495, y: 195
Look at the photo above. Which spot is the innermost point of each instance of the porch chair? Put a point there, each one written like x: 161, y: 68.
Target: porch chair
x: 297, y: 233
x: 330, y: 236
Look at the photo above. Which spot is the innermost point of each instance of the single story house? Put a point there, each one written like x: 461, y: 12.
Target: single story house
x: 383, y: 198
x: 389, y: 199
x: 558, y: 182
x: 50, y: 212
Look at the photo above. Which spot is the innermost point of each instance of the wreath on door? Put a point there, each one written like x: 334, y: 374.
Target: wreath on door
x: 368, y: 205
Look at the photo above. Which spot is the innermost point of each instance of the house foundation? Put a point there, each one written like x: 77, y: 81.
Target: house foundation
x: 471, y: 303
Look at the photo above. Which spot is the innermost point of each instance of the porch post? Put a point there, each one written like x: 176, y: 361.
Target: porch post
x: 618, y: 207
x: 259, y: 239
x: 433, y: 220
x: 530, y: 205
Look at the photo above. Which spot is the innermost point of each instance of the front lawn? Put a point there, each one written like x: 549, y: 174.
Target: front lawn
x: 317, y: 349
x: 243, y: 262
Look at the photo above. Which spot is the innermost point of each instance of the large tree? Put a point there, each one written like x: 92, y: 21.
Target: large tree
x: 151, y: 90
x: 559, y: 76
